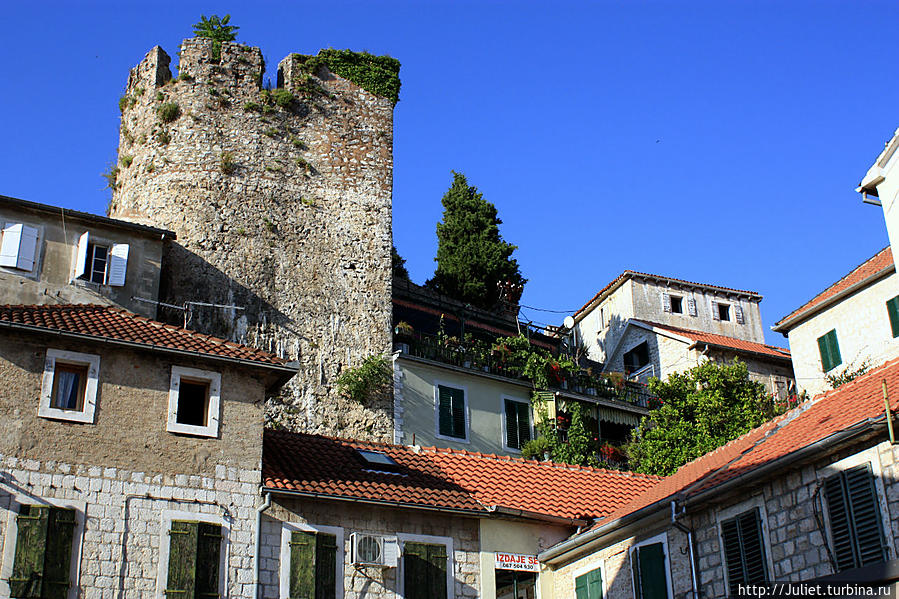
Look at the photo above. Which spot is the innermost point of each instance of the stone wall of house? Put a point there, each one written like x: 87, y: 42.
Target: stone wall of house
x: 365, y: 582
x: 863, y: 331
x: 281, y: 210
x: 122, y: 514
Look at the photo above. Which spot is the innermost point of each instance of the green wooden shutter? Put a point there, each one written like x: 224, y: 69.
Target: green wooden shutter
x: 653, y: 580
x: 855, y: 523
x: 182, y: 560
x: 512, y: 425
x: 451, y: 412
x: 589, y: 585
x: 424, y: 571
x: 733, y: 555
x: 459, y: 413
x: 744, y: 552
x: 209, y: 551
x: 524, y: 423
x: 31, y: 541
x: 58, y: 555
x: 893, y: 311
x: 302, y: 565
x: 325, y: 566
x: 829, y: 349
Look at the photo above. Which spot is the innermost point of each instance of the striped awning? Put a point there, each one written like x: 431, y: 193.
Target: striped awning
x: 618, y: 416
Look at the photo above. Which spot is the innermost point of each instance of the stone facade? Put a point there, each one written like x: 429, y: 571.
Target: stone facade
x: 366, y: 582
x: 281, y: 209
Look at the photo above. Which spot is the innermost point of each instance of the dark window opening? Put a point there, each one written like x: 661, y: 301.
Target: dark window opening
x: 193, y: 402
x: 677, y: 304
x: 893, y: 312
x: 637, y: 358
x: 516, y: 585
x: 97, y: 263
x: 723, y: 312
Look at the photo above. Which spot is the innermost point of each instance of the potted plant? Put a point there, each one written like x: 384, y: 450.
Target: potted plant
x: 563, y: 420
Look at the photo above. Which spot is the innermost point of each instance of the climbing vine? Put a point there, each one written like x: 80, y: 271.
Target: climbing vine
x: 359, y: 383
x: 379, y: 75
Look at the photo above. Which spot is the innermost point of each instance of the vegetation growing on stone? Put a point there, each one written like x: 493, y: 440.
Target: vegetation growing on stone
x: 126, y: 102
x: 218, y: 30
x: 169, y: 112
x: 283, y: 98
x: 111, y: 177
x: 372, y: 376
x: 228, y: 165
x: 379, y: 75
x: 126, y: 160
x: 472, y: 257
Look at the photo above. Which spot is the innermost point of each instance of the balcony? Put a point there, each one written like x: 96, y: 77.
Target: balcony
x: 482, y: 358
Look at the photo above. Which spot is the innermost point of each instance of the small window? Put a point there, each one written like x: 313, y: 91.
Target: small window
x: 724, y: 312
x: 18, y: 246
x: 69, y: 386
x: 194, y: 402
x: 829, y: 349
x: 649, y: 566
x: 589, y: 585
x: 677, y: 305
x: 101, y: 263
x: 313, y: 565
x: 45, y: 537
x: 855, y: 525
x: 893, y: 312
x: 451, y: 413
x: 744, y: 549
x: 194, y: 559
x: 636, y: 358
x: 424, y: 571
x: 518, y: 423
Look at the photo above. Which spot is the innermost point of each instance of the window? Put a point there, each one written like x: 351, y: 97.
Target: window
x: 191, y: 556
x: 649, y: 566
x: 722, y: 311
x: 637, y: 358
x: 451, y: 413
x: 18, y: 246
x: 854, y: 511
x: 677, y: 304
x: 311, y: 558
x: 44, y: 541
x: 101, y: 263
x: 830, y: 351
x: 589, y: 585
x: 69, y: 386
x: 517, y: 420
x: 424, y: 571
x: 744, y: 550
x: 893, y: 312
x: 194, y: 402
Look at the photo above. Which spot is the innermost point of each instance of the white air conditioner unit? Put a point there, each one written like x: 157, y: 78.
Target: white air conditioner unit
x: 375, y: 550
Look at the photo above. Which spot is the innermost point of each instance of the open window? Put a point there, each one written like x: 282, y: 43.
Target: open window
x: 672, y: 303
x: 69, y: 386
x: 721, y: 311
x: 636, y: 358
x: 19, y: 246
x: 194, y: 402
x: 100, y: 262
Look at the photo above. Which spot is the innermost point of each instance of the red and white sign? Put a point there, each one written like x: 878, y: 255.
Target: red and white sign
x: 515, y: 561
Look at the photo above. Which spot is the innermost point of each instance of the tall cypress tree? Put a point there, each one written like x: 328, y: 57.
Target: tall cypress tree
x: 472, y: 257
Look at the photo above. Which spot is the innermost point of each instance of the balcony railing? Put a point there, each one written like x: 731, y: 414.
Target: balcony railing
x: 431, y: 348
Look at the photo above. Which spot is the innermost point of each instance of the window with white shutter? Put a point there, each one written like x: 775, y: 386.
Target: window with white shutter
x: 18, y: 246
x: 666, y: 302
x: 101, y: 263
x: 691, y: 306
x: 738, y: 314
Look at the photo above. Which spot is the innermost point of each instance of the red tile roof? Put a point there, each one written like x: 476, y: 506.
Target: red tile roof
x: 444, y: 478
x: 110, y: 323
x: 869, y: 268
x: 740, y: 345
x: 851, y: 404
x: 633, y: 273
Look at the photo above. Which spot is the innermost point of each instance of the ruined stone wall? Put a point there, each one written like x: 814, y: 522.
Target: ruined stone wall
x: 282, y: 209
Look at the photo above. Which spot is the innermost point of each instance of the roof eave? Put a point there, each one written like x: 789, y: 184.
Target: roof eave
x: 741, y: 350
x: 472, y: 513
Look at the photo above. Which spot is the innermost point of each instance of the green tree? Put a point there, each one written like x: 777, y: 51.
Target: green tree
x: 472, y: 257
x: 398, y: 265
x: 218, y: 30
x: 578, y: 448
x: 697, y: 411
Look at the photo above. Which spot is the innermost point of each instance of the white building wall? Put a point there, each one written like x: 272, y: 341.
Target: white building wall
x: 863, y: 333
x: 602, y: 327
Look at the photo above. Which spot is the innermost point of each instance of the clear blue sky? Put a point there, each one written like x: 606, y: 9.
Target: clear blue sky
x: 718, y: 142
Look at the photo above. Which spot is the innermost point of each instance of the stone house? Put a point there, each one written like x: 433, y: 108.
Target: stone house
x: 811, y: 496
x: 361, y: 519
x: 53, y: 255
x: 451, y: 390
x: 852, y: 323
x: 130, y: 455
x: 651, y: 326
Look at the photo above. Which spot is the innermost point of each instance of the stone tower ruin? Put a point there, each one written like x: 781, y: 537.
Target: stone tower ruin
x: 281, y: 201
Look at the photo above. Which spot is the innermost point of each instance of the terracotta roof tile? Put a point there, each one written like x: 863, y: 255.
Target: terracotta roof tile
x: 869, y: 268
x: 851, y: 404
x: 107, y: 322
x: 724, y: 341
x: 444, y: 478
x: 631, y: 273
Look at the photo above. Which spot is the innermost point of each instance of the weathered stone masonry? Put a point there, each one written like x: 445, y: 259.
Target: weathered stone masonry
x: 282, y: 211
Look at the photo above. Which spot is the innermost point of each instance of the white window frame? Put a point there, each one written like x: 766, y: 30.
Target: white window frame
x: 659, y: 538
x: 114, y: 252
x: 716, y: 314
x: 872, y: 456
x: 464, y: 388
x: 586, y: 569
x: 672, y: 297
x: 33, y: 272
x: 430, y: 540
x: 284, y: 572
x: 504, y: 431
x: 165, y: 526
x: 757, y: 501
x: 86, y: 415
x: 12, y: 528
x: 213, y: 413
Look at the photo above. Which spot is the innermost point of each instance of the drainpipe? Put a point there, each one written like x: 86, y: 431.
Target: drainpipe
x: 256, y: 552
x: 689, y: 532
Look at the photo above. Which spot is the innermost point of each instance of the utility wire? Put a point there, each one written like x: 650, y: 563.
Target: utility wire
x: 546, y: 310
